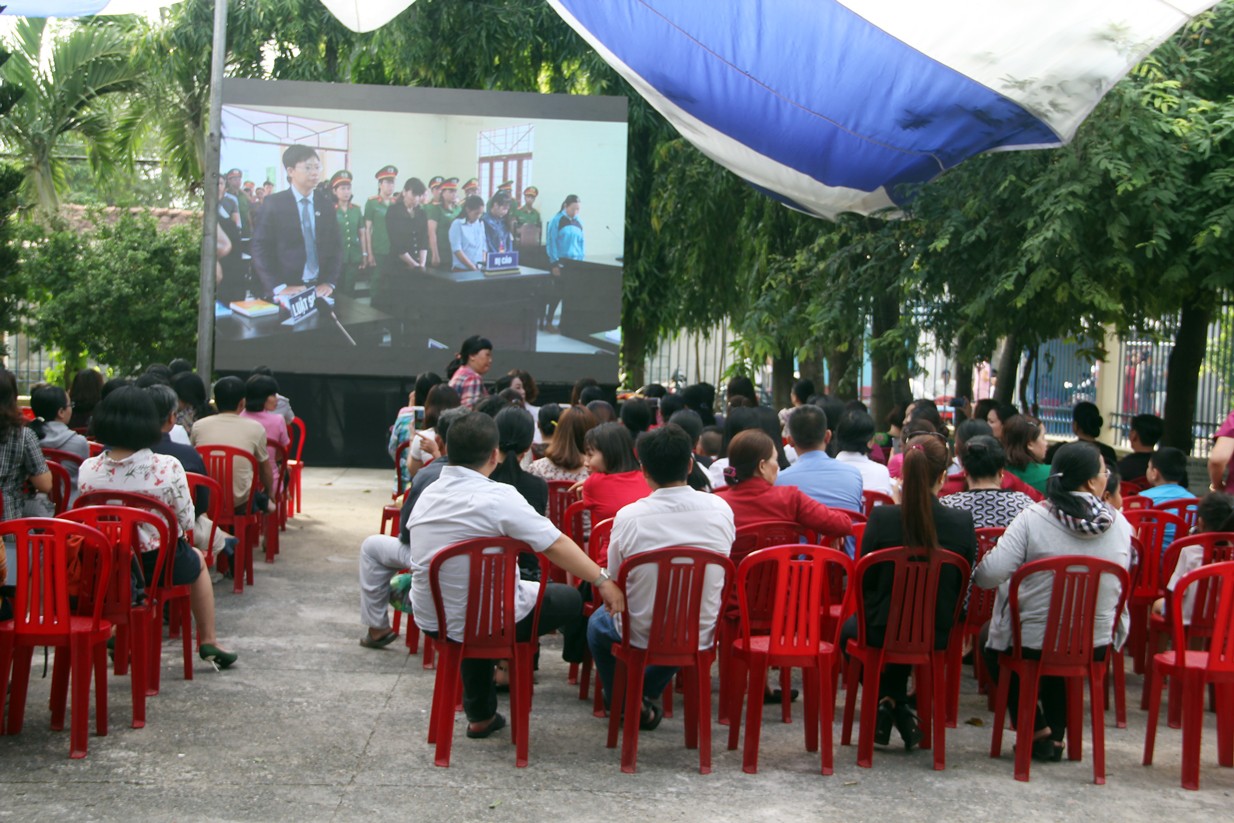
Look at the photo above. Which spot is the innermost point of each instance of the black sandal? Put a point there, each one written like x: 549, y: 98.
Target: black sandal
x: 495, y: 725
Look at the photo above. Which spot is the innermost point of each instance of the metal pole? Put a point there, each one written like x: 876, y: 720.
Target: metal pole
x: 210, y: 217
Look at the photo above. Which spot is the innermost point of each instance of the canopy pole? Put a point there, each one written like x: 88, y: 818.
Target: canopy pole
x: 210, y: 216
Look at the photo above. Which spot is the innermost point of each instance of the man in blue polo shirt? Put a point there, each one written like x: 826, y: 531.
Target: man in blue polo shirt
x: 819, y: 476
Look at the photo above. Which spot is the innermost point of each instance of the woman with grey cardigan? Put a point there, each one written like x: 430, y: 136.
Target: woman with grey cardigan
x: 1072, y: 520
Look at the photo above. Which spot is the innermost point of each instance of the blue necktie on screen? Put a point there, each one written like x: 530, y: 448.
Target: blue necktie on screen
x: 310, y: 239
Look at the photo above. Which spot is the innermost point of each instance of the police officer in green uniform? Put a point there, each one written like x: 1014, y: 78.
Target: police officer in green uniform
x: 508, y: 188
x: 377, y: 245
x: 471, y: 188
x: 233, y: 188
x: 434, y: 187
x: 351, y: 235
x: 528, y: 216
x: 440, y: 216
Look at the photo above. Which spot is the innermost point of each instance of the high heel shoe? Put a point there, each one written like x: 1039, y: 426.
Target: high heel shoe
x: 906, y: 724
x: 217, y: 657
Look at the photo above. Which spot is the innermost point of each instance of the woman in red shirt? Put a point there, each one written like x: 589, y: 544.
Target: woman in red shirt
x: 754, y: 497
x: 616, y: 479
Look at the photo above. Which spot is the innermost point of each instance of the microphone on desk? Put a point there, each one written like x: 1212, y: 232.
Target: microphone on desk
x: 326, y: 307
x: 620, y: 244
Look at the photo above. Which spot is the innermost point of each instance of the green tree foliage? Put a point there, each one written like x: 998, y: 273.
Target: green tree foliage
x: 126, y: 293
x: 66, y: 77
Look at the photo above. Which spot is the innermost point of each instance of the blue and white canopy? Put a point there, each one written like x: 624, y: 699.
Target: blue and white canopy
x: 837, y: 105
x: 81, y: 8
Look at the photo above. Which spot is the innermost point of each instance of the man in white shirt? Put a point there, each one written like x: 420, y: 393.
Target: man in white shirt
x: 673, y: 515
x: 853, y: 436
x: 464, y: 504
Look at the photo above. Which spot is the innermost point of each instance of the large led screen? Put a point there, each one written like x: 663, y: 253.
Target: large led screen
x: 369, y: 230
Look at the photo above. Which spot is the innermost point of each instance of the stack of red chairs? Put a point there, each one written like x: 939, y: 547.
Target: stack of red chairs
x: 295, y: 467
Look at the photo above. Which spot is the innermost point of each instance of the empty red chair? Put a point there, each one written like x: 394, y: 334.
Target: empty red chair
x: 1067, y: 651
x: 42, y: 618
x: 1135, y: 502
x: 221, y: 465
x: 295, y: 467
x: 559, y: 499
x: 160, y: 588
x: 1213, y: 547
x: 275, y: 522
x: 1149, y: 527
x: 1213, y: 610
x: 1132, y: 487
x: 780, y: 626
x: 980, y: 610
x: 871, y: 499
x: 909, y: 639
x: 672, y: 640
x: 488, y: 632
x: 64, y: 458
x: 135, y: 622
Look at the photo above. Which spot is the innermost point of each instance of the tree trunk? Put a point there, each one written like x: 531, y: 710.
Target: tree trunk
x: 1183, y: 378
x: 885, y: 392
x: 633, y: 358
x: 1008, y: 365
x: 1024, y: 378
x: 963, y: 372
x: 839, y: 382
x: 811, y: 367
x: 782, y: 380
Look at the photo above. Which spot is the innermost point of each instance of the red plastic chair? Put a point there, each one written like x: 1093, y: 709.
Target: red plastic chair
x: 276, y: 521
x: 391, y: 512
x: 200, y: 484
x: 673, y: 636
x: 1185, y: 507
x: 559, y: 499
x: 1149, y: 527
x: 295, y: 467
x: 401, y: 483
x: 220, y: 466
x: 781, y: 592
x: 980, y: 610
x: 61, y: 487
x: 1136, y: 502
x: 62, y: 457
x: 96, y: 448
x: 135, y: 623
x: 161, y: 589
x: 42, y: 618
x: 873, y: 498
x: 488, y: 633
x: 909, y: 640
x: 1132, y: 487
x: 597, y: 547
x: 1213, y: 612
x: 1216, y: 547
x: 750, y: 538
x: 1067, y: 652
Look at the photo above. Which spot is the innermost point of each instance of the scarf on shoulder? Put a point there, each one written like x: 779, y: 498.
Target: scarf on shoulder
x: 1097, y: 517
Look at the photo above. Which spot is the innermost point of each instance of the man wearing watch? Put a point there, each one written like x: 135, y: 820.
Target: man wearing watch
x: 673, y: 515
x: 464, y: 504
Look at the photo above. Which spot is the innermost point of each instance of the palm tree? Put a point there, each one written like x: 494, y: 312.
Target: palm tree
x: 67, y: 78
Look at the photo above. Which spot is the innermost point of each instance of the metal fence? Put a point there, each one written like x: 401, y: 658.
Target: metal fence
x: 25, y: 359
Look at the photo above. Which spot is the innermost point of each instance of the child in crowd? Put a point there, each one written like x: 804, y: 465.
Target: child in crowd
x: 1215, y: 513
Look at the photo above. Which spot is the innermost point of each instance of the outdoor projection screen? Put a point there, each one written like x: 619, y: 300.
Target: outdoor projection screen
x: 392, y: 319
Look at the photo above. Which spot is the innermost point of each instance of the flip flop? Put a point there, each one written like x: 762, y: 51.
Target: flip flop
x: 370, y: 642
x: 495, y: 725
x: 650, y: 717
x: 776, y: 696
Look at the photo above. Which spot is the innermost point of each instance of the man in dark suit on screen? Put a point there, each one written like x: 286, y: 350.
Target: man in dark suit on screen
x: 296, y: 243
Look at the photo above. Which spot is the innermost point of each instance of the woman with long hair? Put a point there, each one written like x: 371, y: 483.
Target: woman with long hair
x: 753, y: 496
x: 21, y: 461
x: 440, y: 398
x: 918, y: 521
x: 466, y: 371
x: 1072, y: 520
x: 191, y: 392
x: 614, y: 478
x: 86, y: 392
x: 1024, y: 440
x: 566, y: 454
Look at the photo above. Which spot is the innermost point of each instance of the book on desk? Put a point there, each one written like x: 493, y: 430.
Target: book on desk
x: 253, y: 308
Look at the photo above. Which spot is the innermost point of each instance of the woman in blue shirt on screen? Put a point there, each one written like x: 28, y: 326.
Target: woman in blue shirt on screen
x: 563, y: 241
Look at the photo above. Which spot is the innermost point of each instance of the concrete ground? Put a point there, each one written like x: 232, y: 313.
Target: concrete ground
x: 311, y: 726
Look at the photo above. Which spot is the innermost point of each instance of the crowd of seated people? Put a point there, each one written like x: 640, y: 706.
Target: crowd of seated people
x: 670, y: 470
